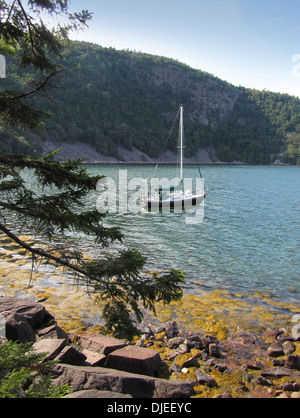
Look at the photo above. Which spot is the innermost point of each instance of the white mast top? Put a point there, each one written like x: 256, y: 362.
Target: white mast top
x: 181, y: 142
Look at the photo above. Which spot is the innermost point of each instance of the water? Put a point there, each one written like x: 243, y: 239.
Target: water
x: 250, y: 237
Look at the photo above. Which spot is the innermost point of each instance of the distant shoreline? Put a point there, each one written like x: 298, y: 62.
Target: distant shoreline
x: 90, y: 156
x: 187, y: 164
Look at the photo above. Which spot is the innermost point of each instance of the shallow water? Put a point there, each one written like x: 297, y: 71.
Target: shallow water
x: 242, y: 262
x: 249, y: 239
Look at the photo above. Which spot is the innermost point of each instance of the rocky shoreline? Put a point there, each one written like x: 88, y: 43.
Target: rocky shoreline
x: 164, y: 362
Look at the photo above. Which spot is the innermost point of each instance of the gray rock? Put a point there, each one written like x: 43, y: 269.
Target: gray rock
x: 293, y: 362
x: 275, y: 350
x: 288, y: 348
x: 279, y: 372
x: 287, y: 387
x: 174, y: 354
x: 175, y: 342
x: 191, y: 362
x: 175, y: 368
x: 263, y: 381
x: 183, y: 349
x: 171, y: 329
x: 254, y: 365
x: 87, y: 378
x: 17, y: 328
x: 204, y: 379
x: 213, y: 350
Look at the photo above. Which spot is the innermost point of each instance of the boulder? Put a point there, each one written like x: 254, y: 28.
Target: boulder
x: 204, y: 379
x: 275, y: 350
x: 171, y: 329
x: 94, y: 359
x: 288, y: 348
x: 191, y: 362
x: 254, y: 365
x: 175, y: 342
x: 17, y: 328
x: 245, y: 345
x: 279, y: 372
x: 134, y: 359
x: 213, y: 350
x: 138, y: 386
x: 35, y: 313
x: 51, y: 348
x: 69, y: 355
x: 208, y: 340
x: 293, y: 362
x: 100, y: 344
x: 52, y: 332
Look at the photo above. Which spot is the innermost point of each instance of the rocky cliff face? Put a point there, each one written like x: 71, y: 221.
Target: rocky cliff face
x: 210, y: 100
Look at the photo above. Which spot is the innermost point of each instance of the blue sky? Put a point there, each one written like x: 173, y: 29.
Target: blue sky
x: 245, y: 42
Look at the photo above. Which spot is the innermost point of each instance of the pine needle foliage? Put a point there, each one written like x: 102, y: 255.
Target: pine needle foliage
x: 56, y: 204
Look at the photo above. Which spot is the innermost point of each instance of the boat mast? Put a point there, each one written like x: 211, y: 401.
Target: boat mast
x: 181, y: 142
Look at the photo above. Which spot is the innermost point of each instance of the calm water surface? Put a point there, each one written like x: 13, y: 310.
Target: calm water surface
x: 249, y: 239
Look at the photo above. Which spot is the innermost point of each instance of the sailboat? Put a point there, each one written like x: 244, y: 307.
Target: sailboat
x: 180, y: 198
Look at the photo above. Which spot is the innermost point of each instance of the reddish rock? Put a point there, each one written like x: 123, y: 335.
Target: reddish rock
x: 69, y: 355
x: 35, y: 313
x: 97, y: 378
x: 51, y: 348
x: 134, y: 359
x: 52, y: 332
x: 246, y: 346
x: 94, y: 359
x: 101, y: 344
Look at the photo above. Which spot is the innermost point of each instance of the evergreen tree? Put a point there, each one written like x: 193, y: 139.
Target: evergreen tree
x: 56, y: 204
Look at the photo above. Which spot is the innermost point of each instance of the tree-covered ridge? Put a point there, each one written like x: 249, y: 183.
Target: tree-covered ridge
x: 108, y: 98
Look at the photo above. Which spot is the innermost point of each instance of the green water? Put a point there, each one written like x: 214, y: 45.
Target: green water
x: 248, y: 241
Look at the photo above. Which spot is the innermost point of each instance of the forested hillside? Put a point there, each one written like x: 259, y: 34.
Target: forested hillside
x: 108, y: 98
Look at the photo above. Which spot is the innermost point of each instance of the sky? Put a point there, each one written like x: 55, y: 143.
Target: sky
x: 252, y: 43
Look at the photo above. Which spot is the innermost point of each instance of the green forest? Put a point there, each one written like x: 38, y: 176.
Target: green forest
x: 108, y: 98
